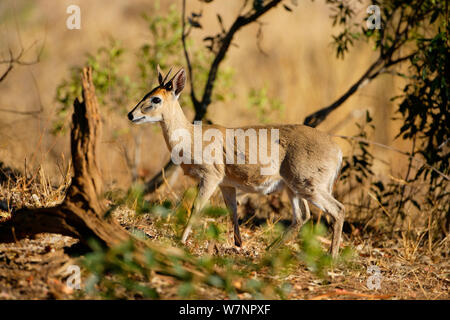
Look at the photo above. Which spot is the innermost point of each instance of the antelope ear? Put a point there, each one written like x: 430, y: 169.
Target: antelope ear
x: 179, y: 80
x: 160, y: 76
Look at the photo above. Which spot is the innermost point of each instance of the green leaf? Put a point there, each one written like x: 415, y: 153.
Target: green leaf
x: 215, y: 212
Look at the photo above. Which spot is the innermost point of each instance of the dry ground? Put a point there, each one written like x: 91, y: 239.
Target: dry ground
x: 36, y: 268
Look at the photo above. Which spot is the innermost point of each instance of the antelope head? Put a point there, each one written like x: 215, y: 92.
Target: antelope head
x: 155, y: 104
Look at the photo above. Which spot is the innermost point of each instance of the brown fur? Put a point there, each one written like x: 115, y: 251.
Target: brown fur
x: 309, y: 162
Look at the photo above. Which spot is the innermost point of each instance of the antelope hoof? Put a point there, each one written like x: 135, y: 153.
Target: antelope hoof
x: 185, y: 236
x: 237, y: 241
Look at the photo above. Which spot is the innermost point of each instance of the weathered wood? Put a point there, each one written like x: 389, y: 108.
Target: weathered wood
x: 81, y: 214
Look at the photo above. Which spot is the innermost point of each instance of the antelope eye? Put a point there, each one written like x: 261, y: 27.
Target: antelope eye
x: 156, y: 100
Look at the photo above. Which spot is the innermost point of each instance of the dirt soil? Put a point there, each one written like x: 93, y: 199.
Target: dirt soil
x: 36, y: 268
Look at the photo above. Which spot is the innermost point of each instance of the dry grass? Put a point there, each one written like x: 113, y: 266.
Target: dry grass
x: 30, y: 189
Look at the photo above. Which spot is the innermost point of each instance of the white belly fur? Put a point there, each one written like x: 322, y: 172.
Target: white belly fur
x: 271, y: 185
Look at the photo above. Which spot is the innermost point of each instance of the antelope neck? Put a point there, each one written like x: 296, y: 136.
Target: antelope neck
x: 173, y: 119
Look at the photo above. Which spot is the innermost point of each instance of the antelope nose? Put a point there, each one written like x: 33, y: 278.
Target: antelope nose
x: 130, y: 116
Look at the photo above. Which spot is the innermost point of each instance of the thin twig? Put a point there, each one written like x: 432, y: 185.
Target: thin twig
x: 380, y: 66
x: 17, y: 60
x: 241, y: 21
x: 313, y: 120
x: 396, y: 150
x: 343, y: 292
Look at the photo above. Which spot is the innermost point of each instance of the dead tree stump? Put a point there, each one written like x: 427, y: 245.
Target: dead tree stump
x: 82, y: 213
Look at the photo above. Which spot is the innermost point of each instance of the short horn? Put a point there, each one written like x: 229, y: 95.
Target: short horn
x: 176, y: 74
x: 167, y: 75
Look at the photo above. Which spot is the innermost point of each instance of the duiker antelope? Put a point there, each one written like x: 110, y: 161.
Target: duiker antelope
x: 306, y: 165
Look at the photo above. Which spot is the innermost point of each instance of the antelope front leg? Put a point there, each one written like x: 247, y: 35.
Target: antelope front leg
x: 205, y: 190
x: 229, y: 196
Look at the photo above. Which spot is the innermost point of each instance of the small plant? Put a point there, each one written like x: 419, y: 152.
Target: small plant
x: 358, y: 166
x: 115, y: 273
x: 312, y: 252
x: 119, y: 273
x: 266, y: 108
x: 112, y: 87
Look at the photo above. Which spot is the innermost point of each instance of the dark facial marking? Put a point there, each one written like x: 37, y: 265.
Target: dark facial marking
x: 150, y: 93
x: 168, y: 86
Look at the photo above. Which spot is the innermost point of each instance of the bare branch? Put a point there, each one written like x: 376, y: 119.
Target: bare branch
x: 186, y: 53
x: 6, y: 72
x: 411, y: 157
x: 33, y: 113
x: 259, y: 38
x: 23, y: 113
x: 380, y: 66
x: 313, y: 120
x: 241, y: 21
x: 316, y: 118
x: 17, y: 60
